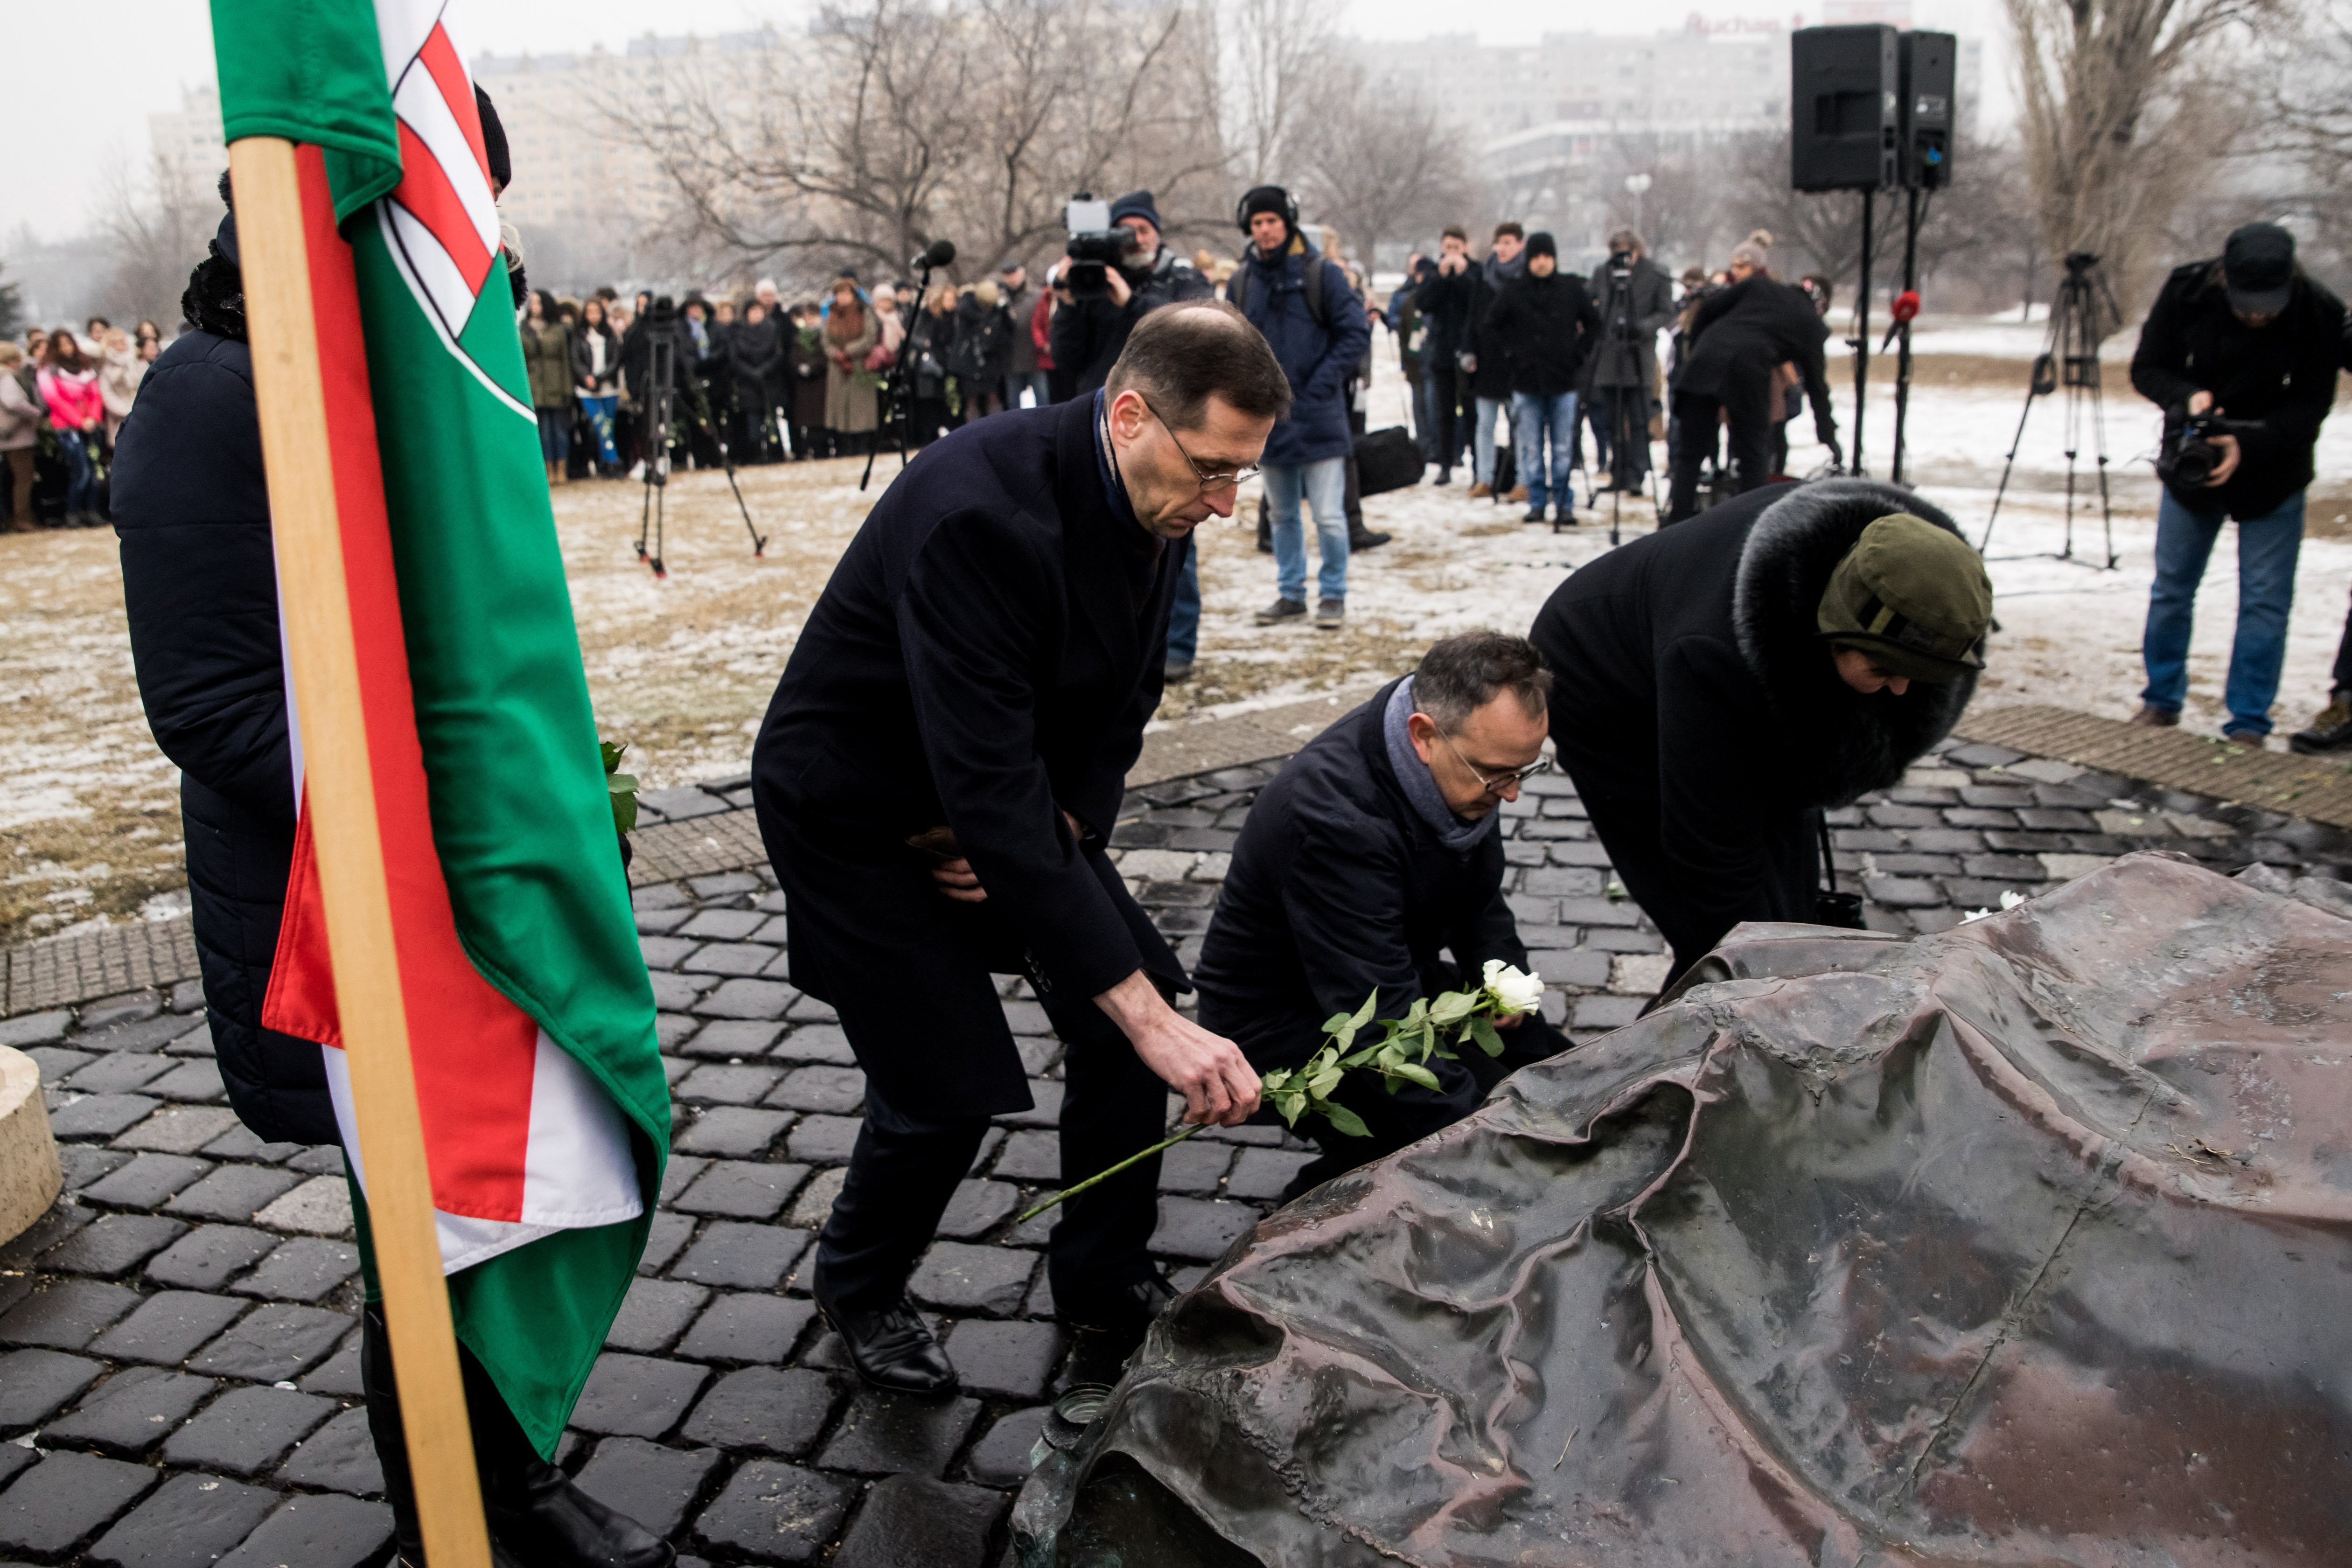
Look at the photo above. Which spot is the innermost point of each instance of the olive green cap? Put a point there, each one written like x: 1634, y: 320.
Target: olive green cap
x: 1913, y: 596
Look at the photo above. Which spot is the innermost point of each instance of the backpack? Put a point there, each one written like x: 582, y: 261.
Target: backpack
x: 1237, y: 290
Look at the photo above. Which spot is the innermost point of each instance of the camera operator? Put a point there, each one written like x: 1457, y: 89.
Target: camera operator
x: 1635, y: 302
x: 937, y: 780
x: 1372, y: 862
x: 1738, y: 338
x: 1091, y: 332
x: 2241, y: 354
x: 1443, y: 296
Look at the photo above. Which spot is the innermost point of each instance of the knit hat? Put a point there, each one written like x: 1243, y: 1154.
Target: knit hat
x: 1266, y: 199
x: 1913, y: 596
x: 495, y: 160
x: 1540, y: 243
x: 1136, y: 204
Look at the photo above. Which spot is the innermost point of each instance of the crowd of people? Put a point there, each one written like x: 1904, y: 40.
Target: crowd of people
x: 63, y: 399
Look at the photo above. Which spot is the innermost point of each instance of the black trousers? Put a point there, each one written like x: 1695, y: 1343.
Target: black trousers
x: 904, y: 1170
x: 1751, y: 439
x: 1446, y: 436
x: 503, y: 1455
x: 2342, y: 683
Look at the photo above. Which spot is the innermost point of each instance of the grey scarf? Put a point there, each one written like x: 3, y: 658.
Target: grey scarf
x: 1499, y: 272
x: 1419, y: 788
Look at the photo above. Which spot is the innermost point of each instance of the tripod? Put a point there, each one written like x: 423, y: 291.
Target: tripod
x: 661, y: 380
x: 893, y: 381
x: 1629, y: 400
x: 2076, y: 327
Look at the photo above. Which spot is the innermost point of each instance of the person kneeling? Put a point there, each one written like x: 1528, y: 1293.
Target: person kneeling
x: 1373, y: 855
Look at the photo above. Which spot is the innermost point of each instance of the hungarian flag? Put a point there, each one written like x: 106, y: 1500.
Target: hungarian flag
x: 530, y: 1019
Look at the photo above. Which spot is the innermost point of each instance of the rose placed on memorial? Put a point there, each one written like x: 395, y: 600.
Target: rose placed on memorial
x: 1430, y: 1028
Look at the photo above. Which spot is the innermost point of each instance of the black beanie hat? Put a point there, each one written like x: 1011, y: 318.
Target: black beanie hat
x: 494, y: 141
x: 1540, y: 243
x: 1266, y: 199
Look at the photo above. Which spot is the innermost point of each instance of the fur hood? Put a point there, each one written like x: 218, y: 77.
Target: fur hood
x: 1842, y: 744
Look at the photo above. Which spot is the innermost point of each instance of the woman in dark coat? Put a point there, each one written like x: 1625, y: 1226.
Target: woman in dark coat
x: 1716, y: 684
x: 806, y: 386
x: 757, y: 346
x: 984, y: 349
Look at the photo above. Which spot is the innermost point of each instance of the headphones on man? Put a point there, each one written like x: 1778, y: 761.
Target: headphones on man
x: 1241, y: 212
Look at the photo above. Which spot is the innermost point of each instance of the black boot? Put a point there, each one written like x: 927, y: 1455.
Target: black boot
x: 1111, y: 1324
x: 537, y: 1518
x: 1265, y: 528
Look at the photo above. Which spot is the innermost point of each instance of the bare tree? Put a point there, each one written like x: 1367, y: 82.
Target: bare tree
x: 2306, y: 115
x: 1274, y: 57
x: 1680, y: 213
x: 2124, y: 105
x: 1379, y: 169
x: 156, y: 227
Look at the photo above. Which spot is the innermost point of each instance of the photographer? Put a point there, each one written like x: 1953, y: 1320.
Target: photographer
x: 1443, y: 295
x: 1635, y: 303
x: 1091, y: 332
x: 1372, y: 864
x: 2241, y: 354
x: 1738, y: 338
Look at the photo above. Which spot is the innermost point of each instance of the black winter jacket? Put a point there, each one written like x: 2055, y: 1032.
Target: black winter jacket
x: 1339, y: 887
x: 1689, y: 670
x: 1743, y: 332
x: 757, y: 350
x: 1089, y: 333
x: 1444, y: 299
x: 1546, y: 325
x: 200, y: 586
x: 2283, y: 375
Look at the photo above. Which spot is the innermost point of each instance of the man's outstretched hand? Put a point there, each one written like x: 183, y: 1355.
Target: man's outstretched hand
x: 1217, y: 1081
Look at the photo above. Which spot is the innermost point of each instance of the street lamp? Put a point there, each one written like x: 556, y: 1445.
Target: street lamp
x: 1637, y: 184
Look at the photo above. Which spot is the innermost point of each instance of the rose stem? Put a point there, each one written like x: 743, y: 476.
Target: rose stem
x: 1102, y: 1177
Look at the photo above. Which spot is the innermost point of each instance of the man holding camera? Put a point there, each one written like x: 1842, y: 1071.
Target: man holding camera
x: 1089, y: 331
x: 936, y: 779
x: 1442, y: 295
x: 2240, y: 353
x: 1635, y: 302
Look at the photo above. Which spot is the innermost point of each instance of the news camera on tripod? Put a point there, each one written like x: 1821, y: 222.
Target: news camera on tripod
x: 1636, y: 301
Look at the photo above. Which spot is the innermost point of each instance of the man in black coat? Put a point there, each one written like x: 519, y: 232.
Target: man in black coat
x: 936, y: 780
x: 1544, y: 323
x: 1441, y: 295
x: 756, y: 355
x: 2248, y: 339
x: 199, y: 589
x: 1373, y: 855
x: 1716, y: 684
x: 1088, y: 333
x: 1741, y: 336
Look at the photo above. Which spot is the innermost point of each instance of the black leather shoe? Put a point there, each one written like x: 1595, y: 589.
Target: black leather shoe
x: 1367, y: 539
x: 891, y: 1347
x: 542, y: 1521
x: 2331, y: 731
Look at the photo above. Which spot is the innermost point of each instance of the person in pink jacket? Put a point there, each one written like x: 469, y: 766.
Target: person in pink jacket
x: 69, y: 382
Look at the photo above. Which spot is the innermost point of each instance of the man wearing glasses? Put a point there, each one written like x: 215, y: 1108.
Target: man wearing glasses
x: 935, y: 780
x: 1373, y: 855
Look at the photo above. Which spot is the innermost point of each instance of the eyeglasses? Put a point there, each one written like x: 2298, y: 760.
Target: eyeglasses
x: 1209, y: 478
x: 1499, y: 782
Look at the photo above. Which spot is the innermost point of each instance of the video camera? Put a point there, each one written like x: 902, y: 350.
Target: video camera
x: 1097, y: 245
x: 2188, y: 455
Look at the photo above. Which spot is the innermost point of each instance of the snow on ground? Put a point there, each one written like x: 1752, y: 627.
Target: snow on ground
x: 682, y: 668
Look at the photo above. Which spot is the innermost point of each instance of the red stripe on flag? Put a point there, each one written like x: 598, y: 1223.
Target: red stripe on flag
x: 474, y: 1051
x: 425, y: 190
x: 440, y: 57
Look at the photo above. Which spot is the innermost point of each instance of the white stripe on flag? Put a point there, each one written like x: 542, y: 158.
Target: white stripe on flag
x: 420, y: 104
x: 396, y: 223
x: 403, y: 26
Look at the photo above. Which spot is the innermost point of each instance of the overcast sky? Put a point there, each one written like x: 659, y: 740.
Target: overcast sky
x: 65, y: 122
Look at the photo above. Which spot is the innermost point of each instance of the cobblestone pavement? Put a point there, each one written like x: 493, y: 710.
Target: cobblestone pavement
x: 178, y: 1359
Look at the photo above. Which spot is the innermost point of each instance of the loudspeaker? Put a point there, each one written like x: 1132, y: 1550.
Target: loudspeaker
x: 1844, y: 105
x: 1928, y: 78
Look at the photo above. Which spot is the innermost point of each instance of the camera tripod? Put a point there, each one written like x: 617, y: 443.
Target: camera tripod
x: 1629, y: 423
x: 661, y: 378
x: 2071, y: 355
x: 893, y: 392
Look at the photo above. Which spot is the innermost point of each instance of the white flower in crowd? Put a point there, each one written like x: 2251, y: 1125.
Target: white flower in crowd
x: 1515, y: 991
x: 2010, y: 899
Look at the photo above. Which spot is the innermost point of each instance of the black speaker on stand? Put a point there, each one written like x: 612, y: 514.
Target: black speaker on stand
x: 1924, y: 164
x: 1845, y: 111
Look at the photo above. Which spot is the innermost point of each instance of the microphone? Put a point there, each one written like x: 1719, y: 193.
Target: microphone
x: 942, y: 252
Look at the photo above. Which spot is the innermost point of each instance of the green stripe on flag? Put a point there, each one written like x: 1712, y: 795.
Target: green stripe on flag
x: 312, y: 70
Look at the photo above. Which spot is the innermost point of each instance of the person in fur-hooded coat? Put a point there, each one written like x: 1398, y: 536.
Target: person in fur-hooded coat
x: 1717, y: 684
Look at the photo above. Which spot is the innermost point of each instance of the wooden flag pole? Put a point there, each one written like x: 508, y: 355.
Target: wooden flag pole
x: 306, y: 531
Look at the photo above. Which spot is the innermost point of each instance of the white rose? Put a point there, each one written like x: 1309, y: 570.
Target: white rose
x: 1515, y: 991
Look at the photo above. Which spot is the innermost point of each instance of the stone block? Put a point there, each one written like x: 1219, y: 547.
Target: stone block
x: 84, y: 1166
x: 728, y: 1038
x: 829, y: 1091
x: 665, y: 1239
x: 35, y: 1384
x: 774, y: 1512
x: 1194, y: 1166
x: 339, y: 1375
x: 246, y: 1430
x: 723, y: 924
x: 815, y: 1204
x: 748, y: 1327
x: 663, y: 951
x: 1196, y: 1229
x: 179, y: 1129
x: 274, y: 1343
x: 679, y: 993
x: 35, y: 1028
x: 1261, y: 1175
x: 66, y: 1497
x: 317, y: 1533
x: 206, y: 1258
x: 136, y: 1410
x: 957, y: 1277
x: 113, y: 1246
x: 304, y: 1269
x: 190, y: 1522
x: 654, y: 1313
x: 1903, y: 892
x: 740, y: 1131
x: 766, y: 1409
x: 1606, y: 1012
x: 730, y: 958
x: 168, y: 1327
x: 66, y: 1316
x: 732, y: 1255
x: 234, y: 1193
x: 636, y: 1396
x: 1002, y: 1458
x: 817, y: 1043
x: 747, y: 998
x: 889, y: 1434
x: 915, y: 1521
x: 61, y: 1221
x: 649, y: 1483
x: 1008, y: 1360
x: 191, y: 1082
x: 727, y: 1085
x: 118, y: 1072
x: 1031, y: 1158
x: 145, y: 1180
x: 320, y: 1206
x: 977, y: 1209
x: 1639, y: 974
x: 742, y: 1189
x: 100, y: 1115
x: 824, y: 1140
x: 1046, y: 1110
x: 339, y: 1456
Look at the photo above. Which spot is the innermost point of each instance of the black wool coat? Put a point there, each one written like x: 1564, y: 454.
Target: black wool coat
x: 200, y: 585
x: 1689, y: 672
x: 984, y: 659
x: 1742, y: 333
x: 1546, y: 325
x: 2282, y: 376
x: 1338, y: 887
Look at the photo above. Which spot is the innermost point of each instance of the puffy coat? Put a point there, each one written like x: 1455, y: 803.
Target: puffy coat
x: 1546, y: 325
x: 1088, y: 335
x: 200, y: 586
x: 983, y: 343
x: 547, y: 361
x: 72, y: 396
x: 1318, y: 359
x: 22, y: 416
